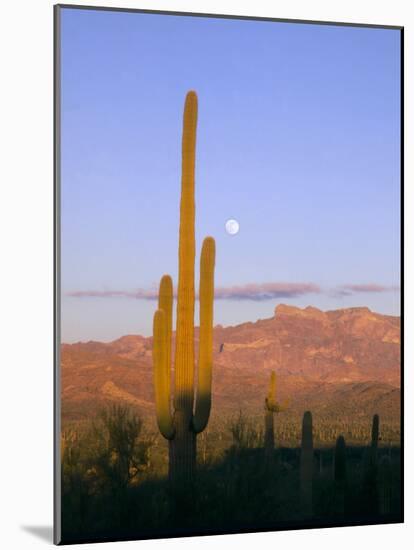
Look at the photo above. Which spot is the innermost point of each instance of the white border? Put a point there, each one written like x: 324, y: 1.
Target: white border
x: 26, y: 140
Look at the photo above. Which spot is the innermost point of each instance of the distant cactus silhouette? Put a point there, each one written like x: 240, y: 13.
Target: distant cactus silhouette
x: 340, y: 476
x: 375, y: 434
x: 370, y: 498
x: 373, y: 450
x: 181, y: 427
x: 306, y: 466
x: 271, y: 407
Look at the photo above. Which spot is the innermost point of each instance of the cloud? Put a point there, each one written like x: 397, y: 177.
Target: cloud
x: 254, y: 292
x: 137, y: 294
x: 265, y: 291
x: 370, y: 288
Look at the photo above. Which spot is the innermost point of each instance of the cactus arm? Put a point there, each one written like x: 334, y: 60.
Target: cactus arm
x: 205, y: 361
x: 161, y: 375
x: 165, y: 302
x: 184, y: 352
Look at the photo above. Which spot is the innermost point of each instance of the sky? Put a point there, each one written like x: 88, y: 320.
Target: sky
x: 298, y: 139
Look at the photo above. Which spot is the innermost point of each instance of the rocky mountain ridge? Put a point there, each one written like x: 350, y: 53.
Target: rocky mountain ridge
x: 347, y: 359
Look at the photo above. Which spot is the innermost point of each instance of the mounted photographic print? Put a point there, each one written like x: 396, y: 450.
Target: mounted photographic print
x: 228, y: 274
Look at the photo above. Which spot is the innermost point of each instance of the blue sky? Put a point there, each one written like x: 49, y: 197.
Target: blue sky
x: 298, y: 139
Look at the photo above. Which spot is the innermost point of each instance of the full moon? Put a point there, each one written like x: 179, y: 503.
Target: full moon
x: 232, y: 227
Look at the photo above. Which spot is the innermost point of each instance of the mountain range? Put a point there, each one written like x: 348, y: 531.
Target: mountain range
x: 343, y: 362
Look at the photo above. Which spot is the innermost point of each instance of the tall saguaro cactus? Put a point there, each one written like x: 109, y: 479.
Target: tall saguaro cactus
x: 182, y: 426
x: 306, y: 465
x: 272, y: 406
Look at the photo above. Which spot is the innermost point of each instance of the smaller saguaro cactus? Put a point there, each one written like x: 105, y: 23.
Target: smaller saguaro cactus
x: 370, y: 481
x: 306, y: 466
x: 271, y: 407
x: 340, y: 476
x: 372, y: 452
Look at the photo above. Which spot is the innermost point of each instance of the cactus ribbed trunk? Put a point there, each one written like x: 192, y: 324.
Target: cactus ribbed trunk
x: 182, y: 426
x: 183, y: 446
x: 184, y: 350
x: 182, y: 451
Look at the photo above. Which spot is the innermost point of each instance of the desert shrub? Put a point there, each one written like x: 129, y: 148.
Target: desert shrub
x: 246, y: 434
x: 120, y: 450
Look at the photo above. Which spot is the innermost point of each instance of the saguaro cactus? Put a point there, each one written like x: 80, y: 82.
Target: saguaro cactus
x: 271, y: 407
x: 340, y: 476
x: 306, y: 465
x: 182, y: 426
x: 372, y: 465
x: 370, y: 482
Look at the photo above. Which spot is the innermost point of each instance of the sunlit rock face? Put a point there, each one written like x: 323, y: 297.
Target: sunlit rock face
x: 349, y: 356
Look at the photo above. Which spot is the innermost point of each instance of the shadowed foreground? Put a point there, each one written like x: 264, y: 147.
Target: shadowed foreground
x: 115, y: 486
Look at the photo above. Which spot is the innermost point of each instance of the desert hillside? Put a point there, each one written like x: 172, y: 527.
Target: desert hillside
x: 342, y: 362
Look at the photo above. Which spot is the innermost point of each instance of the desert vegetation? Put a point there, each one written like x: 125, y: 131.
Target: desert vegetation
x: 115, y: 480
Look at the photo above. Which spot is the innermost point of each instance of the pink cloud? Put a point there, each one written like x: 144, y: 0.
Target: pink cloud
x: 255, y: 292
x: 265, y: 291
x: 137, y: 294
x: 368, y: 287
